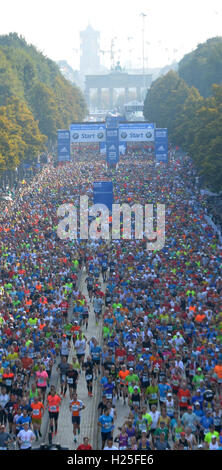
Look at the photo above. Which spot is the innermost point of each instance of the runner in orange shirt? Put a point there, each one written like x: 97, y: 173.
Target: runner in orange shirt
x: 200, y: 317
x: 38, y: 286
x: 54, y: 402
x: 123, y: 373
x: 37, y: 414
x: 218, y: 372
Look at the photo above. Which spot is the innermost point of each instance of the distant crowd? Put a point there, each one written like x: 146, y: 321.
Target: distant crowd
x: 160, y: 312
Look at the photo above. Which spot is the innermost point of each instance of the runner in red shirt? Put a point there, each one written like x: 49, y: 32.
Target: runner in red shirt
x: 120, y: 354
x: 85, y: 445
x: 184, y: 397
x: 64, y: 305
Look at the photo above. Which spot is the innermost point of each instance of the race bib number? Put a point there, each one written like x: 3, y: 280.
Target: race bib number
x: 153, y: 396
x: 75, y: 407
x: 88, y: 377
x: 8, y: 382
x: 53, y: 409
x: 109, y: 396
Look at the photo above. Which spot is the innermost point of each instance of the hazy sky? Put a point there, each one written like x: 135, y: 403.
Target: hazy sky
x: 172, y: 28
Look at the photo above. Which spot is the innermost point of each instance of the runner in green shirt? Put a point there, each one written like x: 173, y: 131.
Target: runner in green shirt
x: 132, y: 378
x: 162, y: 429
x: 152, y: 393
x: 198, y: 377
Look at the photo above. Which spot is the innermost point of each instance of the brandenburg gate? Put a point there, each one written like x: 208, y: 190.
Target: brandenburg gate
x: 114, y: 80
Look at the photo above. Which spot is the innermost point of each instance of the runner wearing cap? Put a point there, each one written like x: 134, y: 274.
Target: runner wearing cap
x: 65, y: 346
x: 213, y: 444
x: 210, y: 434
x: 25, y: 437
x: 182, y: 443
x: 170, y: 406
x: 162, y: 428
x: 5, y: 438
x: 190, y: 419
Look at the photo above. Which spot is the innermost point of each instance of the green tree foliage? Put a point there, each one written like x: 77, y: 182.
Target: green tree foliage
x: 165, y: 99
x: 35, y: 100
x: 45, y: 109
x: 203, y: 67
x: 20, y: 137
x: 194, y: 122
x: 187, y: 121
x: 9, y: 82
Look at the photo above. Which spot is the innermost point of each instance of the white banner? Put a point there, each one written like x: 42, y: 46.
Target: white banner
x: 136, y: 132
x: 88, y: 133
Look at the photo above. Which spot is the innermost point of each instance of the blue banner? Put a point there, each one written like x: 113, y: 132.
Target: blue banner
x: 161, y: 145
x: 103, y: 193
x: 122, y: 148
x: 102, y: 148
x: 112, y: 146
x: 112, y: 122
x: 63, y: 145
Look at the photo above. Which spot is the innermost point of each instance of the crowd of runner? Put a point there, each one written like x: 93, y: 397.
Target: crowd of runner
x: 160, y: 313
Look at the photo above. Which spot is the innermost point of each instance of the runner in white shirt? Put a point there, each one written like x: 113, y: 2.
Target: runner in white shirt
x: 155, y: 414
x: 25, y: 437
x: 80, y: 346
x: 110, y: 446
x: 214, y: 443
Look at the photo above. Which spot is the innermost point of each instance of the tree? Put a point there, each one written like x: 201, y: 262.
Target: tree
x: 12, y: 146
x: 9, y: 83
x: 20, y: 138
x: 45, y: 109
x: 165, y: 99
x: 27, y: 74
x: 193, y: 122
x: 187, y: 121
x: 203, y: 67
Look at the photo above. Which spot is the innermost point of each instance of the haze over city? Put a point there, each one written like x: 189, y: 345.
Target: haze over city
x: 171, y: 28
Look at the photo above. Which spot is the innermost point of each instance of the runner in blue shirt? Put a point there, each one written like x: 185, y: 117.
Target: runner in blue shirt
x: 25, y: 418
x: 108, y: 389
x: 164, y: 388
x: 96, y: 352
x: 106, y: 424
x: 205, y: 424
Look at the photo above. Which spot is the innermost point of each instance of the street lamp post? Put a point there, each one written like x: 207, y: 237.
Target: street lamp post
x: 143, y: 48
x: 112, y: 52
x: 130, y: 50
